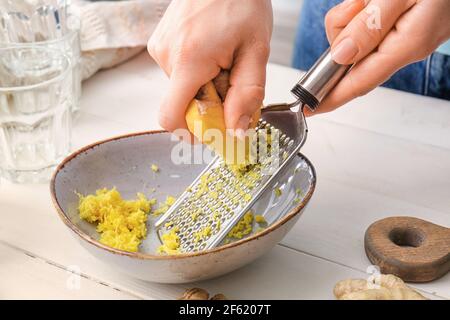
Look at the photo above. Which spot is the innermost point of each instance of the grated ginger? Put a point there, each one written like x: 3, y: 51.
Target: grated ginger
x: 278, y: 192
x: 203, y: 234
x: 163, y: 207
x: 121, y: 223
x: 299, y: 194
x: 243, y: 227
x: 260, y: 219
x: 171, y: 242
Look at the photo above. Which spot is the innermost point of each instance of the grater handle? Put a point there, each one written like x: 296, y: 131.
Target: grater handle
x: 323, y: 76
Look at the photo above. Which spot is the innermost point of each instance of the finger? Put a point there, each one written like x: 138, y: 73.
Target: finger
x: 159, y: 44
x: 155, y: 46
x: 340, y: 16
x: 247, y: 87
x: 357, y: 82
x: 365, y: 32
x: 157, y: 54
x: 185, y: 81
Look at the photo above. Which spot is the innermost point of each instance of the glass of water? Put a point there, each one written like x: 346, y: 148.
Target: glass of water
x: 47, y: 23
x: 36, y: 97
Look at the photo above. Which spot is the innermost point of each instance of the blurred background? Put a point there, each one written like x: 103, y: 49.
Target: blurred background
x: 286, y: 18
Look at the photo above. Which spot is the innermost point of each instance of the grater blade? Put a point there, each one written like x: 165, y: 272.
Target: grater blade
x: 217, y: 199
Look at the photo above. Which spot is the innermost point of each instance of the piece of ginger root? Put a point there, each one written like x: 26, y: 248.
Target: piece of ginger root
x: 206, y: 121
x: 387, y: 287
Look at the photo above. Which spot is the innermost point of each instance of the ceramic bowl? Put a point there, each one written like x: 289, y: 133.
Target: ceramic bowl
x: 125, y: 163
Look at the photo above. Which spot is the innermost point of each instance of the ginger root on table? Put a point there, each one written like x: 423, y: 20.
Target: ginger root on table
x: 200, y: 294
x: 386, y: 287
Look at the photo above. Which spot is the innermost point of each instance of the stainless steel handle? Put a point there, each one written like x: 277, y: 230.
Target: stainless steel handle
x: 323, y: 76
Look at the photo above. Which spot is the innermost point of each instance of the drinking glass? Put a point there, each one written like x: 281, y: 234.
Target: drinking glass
x: 36, y: 97
x: 46, y: 23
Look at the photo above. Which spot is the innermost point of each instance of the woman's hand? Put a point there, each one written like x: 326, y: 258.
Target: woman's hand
x: 381, y: 37
x: 195, y: 39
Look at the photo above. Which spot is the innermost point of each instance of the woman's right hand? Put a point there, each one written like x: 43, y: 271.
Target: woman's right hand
x: 196, y: 39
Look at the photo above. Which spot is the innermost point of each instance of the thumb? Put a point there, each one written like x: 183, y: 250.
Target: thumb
x: 247, y: 87
x: 367, y: 30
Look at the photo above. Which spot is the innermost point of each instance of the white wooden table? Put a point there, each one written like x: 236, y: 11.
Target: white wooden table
x: 384, y: 154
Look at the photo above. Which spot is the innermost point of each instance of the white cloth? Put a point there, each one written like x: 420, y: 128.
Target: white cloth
x: 111, y: 32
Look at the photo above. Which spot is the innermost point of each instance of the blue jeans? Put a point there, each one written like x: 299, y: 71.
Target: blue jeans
x: 430, y: 77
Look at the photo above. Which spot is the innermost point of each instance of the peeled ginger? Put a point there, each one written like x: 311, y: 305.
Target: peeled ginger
x: 205, y: 120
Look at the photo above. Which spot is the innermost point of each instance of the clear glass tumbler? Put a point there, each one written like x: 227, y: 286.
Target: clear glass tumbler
x: 36, y: 97
x: 47, y: 23
x: 69, y: 43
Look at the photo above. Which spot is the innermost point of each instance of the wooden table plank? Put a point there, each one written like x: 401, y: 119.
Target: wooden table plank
x: 129, y: 94
x: 285, y: 274
x: 333, y: 227
x: 35, y: 228
x: 412, y: 172
x: 27, y: 277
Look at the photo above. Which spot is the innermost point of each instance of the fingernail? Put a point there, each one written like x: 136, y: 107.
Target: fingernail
x: 345, y: 51
x: 242, y: 126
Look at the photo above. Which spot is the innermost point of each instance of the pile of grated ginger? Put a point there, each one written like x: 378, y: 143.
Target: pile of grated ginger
x: 120, y: 223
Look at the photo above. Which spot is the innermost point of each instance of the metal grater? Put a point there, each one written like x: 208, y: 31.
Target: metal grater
x: 215, y: 202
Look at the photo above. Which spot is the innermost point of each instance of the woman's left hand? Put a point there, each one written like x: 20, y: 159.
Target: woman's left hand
x: 380, y: 37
